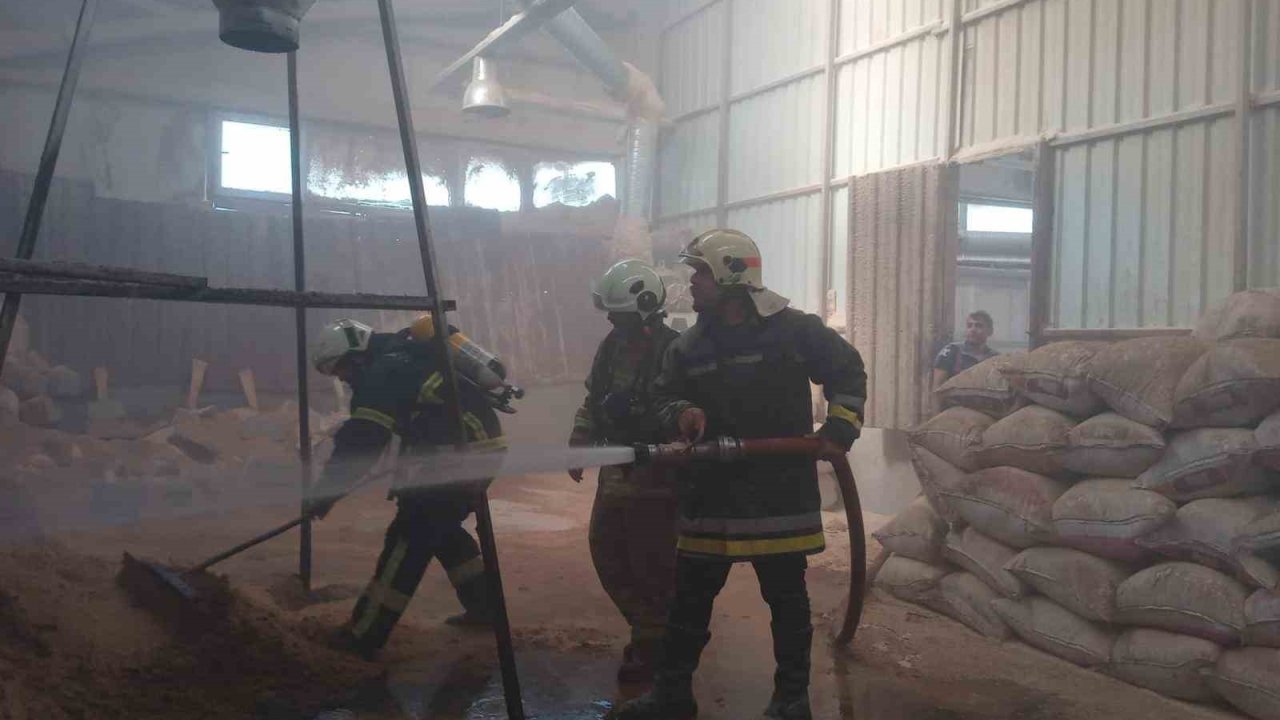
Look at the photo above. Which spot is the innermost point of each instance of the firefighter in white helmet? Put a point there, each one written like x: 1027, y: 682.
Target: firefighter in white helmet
x: 396, y: 390
x: 744, y: 370
x: 633, y: 520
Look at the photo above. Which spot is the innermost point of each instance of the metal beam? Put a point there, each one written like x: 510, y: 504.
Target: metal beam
x: 1110, y: 334
x: 439, y: 341
x: 1184, y: 117
x: 1244, y: 108
x: 48, y: 162
x: 44, y: 284
x: 726, y: 77
x: 520, y: 25
x: 300, y: 319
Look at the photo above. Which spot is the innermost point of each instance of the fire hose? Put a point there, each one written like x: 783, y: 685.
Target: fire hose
x: 732, y: 449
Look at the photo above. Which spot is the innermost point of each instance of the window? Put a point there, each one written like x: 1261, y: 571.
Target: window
x: 390, y: 189
x: 490, y: 184
x: 573, y: 184
x: 997, y: 218
x: 254, y: 157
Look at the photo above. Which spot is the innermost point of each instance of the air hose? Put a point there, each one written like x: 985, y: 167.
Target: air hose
x: 732, y: 449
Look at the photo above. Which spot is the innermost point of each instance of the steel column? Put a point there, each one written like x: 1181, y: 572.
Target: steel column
x: 300, y: 318
x: 48, y: 162
x: 449, y: 388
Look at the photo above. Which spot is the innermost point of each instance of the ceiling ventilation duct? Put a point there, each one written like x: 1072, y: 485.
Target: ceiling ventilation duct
x: 484, y: 96
x: 268, y: 26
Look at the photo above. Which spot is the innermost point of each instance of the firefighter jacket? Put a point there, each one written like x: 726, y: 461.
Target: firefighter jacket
x: 752, y: 381
x: 617, y: 408
x: 398, y: 391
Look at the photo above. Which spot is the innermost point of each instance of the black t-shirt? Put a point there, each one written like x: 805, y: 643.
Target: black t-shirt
x: 958, y: 357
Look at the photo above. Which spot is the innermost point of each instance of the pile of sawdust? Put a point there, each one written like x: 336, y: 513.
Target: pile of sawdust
x: 73, y: 646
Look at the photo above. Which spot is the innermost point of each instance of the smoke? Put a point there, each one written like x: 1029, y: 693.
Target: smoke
x: 115, y: 505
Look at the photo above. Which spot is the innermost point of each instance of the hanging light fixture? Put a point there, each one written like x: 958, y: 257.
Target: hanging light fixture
x: 269, y: 26
x: 484, y: 96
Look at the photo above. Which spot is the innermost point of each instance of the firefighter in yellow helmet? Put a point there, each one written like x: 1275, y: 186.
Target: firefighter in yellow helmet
x: 633, y: 520
x: 744, y: 370
x: 395, y: 386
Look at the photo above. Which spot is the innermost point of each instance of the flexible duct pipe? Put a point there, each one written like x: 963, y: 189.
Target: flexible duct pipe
x: 644, y: 108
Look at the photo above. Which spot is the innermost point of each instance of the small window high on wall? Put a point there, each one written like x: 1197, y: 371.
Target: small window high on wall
x: 389, y: 190
x: 253, y: 158
x: 573, y: 184
x: 492, y: 185
x: 980, y: 218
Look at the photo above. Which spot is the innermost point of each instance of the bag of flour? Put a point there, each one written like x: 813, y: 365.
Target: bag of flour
x: 1105, y: 517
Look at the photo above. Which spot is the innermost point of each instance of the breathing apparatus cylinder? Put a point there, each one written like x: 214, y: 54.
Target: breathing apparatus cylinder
x: 469, y: 359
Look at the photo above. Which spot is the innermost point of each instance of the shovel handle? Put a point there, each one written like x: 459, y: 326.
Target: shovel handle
x: 246, y: 545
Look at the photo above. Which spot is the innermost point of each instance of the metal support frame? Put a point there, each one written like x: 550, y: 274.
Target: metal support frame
x: 300, y: 320
x: 439, y: 346
x: 1042, y: 206
x: 22, y: 275
x: 48, y: 162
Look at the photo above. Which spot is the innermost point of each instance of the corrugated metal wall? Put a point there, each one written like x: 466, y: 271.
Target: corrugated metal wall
x: 1141, y: 101
x: 789, y: 232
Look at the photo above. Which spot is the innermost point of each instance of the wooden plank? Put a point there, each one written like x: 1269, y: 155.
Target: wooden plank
x: 1129, y: 214
x: 1040, y: 287
x: 1096, y: 303
x: 1111, y: 334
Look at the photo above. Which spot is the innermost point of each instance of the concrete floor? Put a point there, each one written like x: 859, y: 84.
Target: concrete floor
x: 905, y: 662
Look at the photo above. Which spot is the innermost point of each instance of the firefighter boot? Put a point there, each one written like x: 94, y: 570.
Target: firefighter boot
x: 791, y: 679
x: 474, y: 596
x: 640, y: 656
x: 672, y: 695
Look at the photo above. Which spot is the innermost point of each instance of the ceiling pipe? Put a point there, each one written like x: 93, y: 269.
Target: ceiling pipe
x: 644, y: 109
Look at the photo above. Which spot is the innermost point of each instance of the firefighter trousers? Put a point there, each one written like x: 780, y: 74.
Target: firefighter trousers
x: 426, y: 526
x: 782, y: 585
x: 633, y: 547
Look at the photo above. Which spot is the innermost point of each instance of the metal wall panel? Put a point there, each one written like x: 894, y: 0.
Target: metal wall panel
x: 1145, y: 233
x: 1264, y: 200
x: 789, y: 233
x: 1077, y: 65
x: 889, y: 108
x: 1266, y: 23
x: 773, y: 39
x: 775, y: 140
x: 675, y: 10
x: 838, y: 272
x: 693, y: 62
x: 901, y: 295
x: 687, y: 165
x: 864, y: 23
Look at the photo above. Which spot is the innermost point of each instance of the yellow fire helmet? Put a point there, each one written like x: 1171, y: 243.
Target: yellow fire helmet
x: 734, y: 261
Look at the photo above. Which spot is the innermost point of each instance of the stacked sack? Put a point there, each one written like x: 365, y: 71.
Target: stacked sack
x: 1116, y: 505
